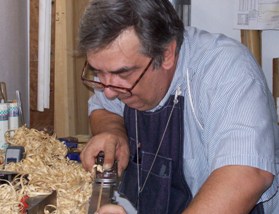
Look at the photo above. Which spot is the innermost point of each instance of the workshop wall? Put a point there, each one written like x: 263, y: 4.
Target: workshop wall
x: 14, y: 50
x: 217, y: 16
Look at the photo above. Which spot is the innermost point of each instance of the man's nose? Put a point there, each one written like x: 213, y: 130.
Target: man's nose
x: 110, y: 93
x: 109, y: 79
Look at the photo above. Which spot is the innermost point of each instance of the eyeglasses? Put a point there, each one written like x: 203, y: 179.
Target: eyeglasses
x: 101, y: 86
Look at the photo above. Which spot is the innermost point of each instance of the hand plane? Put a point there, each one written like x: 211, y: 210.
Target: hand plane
x: 104, y: 185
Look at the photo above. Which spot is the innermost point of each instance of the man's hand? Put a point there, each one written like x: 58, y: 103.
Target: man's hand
x: 113, y: 148
x: 109, y: 136
x: 111, y: 209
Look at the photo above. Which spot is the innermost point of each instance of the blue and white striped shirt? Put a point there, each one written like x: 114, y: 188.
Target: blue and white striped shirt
x: 229, y: 115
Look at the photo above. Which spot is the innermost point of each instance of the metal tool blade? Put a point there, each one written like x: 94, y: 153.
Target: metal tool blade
x: 37, y: 204
x: 103, y: 186
x: 102, y: 193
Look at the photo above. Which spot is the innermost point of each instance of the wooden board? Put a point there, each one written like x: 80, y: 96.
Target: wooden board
x: 81, y: 92
x: 70, y: 112
x: 275, y: 87
x: 64, y: 99
x: 252, y: 40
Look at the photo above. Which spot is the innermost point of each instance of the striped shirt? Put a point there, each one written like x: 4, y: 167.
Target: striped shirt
x: 229, y: 113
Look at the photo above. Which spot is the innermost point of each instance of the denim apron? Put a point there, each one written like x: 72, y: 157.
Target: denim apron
x: 258, y: 209
x: 165, y: 190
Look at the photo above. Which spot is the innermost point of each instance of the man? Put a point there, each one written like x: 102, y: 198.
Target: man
x: 187, y: 115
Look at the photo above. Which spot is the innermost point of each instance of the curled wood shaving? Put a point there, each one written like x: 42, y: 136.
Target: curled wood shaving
x: 47, y: 169
x: 9, y: 199
x: 98, y: 167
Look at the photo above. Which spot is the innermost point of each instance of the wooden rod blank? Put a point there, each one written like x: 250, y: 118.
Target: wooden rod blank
x: 275, y: 88
x: 252, y: 39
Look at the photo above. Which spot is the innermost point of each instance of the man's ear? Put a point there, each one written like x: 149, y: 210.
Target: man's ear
x: 169, y: 55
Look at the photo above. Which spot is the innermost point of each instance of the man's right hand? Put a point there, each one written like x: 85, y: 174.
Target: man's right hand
x: 111, y: 209
x: 114, y: 148
x: 109, y: 136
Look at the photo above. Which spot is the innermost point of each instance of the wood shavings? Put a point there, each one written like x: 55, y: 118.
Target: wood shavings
x: 48, y: 170
x: 98, y: 167
x: 46, y: 211
x: 9, y: 199
x: 2, y: 156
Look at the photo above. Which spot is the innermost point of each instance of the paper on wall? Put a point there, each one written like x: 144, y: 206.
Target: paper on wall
x: 256, y: 14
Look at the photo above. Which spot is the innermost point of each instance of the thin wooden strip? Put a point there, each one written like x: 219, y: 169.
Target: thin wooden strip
x: 100, y: 196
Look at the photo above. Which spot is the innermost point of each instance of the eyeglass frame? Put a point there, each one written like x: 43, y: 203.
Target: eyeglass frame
x: 129, y: 90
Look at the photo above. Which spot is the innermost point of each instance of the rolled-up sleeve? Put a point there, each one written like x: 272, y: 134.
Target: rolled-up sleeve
x: 99, y: 101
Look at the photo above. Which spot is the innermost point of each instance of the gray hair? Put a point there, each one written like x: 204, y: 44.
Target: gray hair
x: 155, y: 22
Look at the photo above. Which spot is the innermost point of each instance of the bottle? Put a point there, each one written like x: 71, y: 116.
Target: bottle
x: 13, y: 115
x: 4, y: 124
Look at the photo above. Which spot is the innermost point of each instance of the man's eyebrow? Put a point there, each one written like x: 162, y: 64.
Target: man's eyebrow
x: 118, y: 71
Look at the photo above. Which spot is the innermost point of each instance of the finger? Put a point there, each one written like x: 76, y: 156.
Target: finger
x: 122, y: 156
x: 87, y: 159
x: 109, y: 159
x: 111, y: 209
x: 122, y: 163
x: 88, y: 155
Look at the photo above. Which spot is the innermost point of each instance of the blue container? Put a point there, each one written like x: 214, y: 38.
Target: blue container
x: 74, y: 156
x: 70, y: 142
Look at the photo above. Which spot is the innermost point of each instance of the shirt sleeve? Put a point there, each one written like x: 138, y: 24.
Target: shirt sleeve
x: 99, y: 101
x: 238, y: 113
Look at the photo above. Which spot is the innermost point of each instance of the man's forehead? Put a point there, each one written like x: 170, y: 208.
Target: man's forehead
x: 126, y: 45
x: 127, y: 42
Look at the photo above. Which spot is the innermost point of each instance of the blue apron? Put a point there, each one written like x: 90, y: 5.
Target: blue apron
x: 165, y: 190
